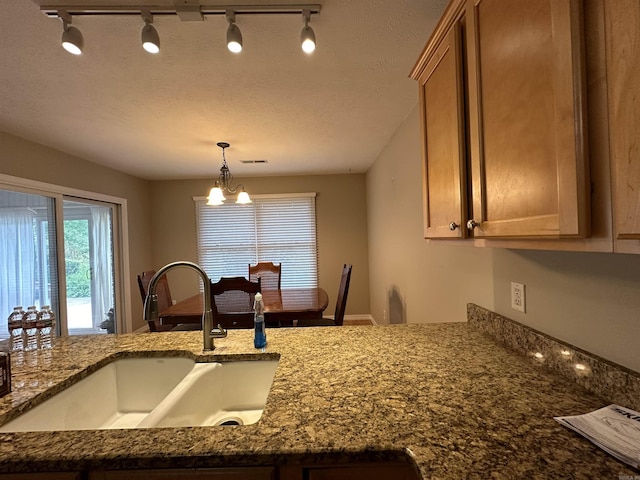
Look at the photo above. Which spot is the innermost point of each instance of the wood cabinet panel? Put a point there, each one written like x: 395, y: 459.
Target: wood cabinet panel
x: 622, y: 26
x: 508, y: 147
x: 519, y: 167
x: 42, y: 476
x: 379, y: 472
x: 444, y: 160
x: 244, y: 473
x: 527, y: 136
x: 601, y: 238
x: 353, y: 471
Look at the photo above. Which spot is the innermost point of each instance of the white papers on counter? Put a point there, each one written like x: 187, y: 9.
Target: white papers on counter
x: 615, y: 429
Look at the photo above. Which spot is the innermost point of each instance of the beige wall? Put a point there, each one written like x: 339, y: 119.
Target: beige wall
x: 24, y: 159
x: 590, y: 300
x: 164, y: 211
x: 341, y: 223
x: 413, y: 281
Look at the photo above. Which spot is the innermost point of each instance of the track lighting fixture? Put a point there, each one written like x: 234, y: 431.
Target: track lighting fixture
x: 185, y: 10
x: 72, y: 40
x: 307, y: 36
x: 234, y: 36
x: 150, y: 37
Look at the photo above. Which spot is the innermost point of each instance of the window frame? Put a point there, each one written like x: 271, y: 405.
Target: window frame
x: 200, y: 202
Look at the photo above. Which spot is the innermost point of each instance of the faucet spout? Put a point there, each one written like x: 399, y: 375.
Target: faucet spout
x: 151, y: 302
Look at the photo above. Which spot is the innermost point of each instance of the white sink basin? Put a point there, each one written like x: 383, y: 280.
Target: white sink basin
x: 215, y: 393
x: 155, y: 392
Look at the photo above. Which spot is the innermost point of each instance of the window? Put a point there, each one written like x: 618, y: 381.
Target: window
x: 274, y: 228
x: 61, y: 247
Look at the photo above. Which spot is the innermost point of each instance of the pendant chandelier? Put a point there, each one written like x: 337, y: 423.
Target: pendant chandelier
x: 223, y: 184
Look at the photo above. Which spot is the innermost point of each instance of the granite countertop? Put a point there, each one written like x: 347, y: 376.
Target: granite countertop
x: 443, y: 395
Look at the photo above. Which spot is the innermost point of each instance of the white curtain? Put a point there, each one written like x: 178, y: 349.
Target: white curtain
x: 101, y: 264
x: 18, y: 259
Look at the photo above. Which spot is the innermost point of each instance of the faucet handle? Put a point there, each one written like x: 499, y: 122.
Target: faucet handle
x: 218, y: 332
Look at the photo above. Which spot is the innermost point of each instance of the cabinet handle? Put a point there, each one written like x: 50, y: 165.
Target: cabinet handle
x: 453, y: 226
x: 471, y: 224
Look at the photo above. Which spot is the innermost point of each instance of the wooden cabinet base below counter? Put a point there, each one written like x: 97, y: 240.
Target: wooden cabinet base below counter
x: 240, y: 473
x: 43, y: 476
x: 347, y: 471
x: 355, y: 471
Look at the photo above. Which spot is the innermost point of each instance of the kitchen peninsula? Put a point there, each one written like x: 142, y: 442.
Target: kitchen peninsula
x: 443, y: 400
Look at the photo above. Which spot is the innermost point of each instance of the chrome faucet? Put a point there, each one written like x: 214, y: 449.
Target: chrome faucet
x: 151, y: 303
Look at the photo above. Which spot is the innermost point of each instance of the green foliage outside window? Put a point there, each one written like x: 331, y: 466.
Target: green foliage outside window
x: 76, y: 253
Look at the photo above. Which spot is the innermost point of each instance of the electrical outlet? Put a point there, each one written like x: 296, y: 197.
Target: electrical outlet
x: 518, y: 300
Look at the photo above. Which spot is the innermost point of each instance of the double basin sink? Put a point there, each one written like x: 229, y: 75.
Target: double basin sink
x: 151, y: 392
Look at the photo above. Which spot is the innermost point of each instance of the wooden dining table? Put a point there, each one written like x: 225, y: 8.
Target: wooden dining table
x: 281, y: 307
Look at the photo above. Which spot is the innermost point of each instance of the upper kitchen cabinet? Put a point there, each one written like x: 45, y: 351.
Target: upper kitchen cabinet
x: 622, y: 27
x: 443, y: 126
x: 502, y: 97
x: 527, y: 134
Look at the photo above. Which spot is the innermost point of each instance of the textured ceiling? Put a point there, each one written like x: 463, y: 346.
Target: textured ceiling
x: 159, y: 117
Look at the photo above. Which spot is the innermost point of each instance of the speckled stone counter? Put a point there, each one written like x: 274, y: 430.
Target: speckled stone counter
x: 609, y: 380
x: 444, y: 396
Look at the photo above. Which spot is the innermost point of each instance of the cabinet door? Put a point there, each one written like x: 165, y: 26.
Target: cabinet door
x: 526, y: 107
x: 353, y: 471
x: 42, y: 476
x: 443, y: 130
x: 241, y: 473
x: 379, y: 472
x: 622, y: 29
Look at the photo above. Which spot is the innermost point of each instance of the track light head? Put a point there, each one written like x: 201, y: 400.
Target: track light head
x: 307, y: 36
x: 150, y: 37
x: 72, y: 40
x: 234, y: 39
x: 308, y: 39
x: 234, y: 36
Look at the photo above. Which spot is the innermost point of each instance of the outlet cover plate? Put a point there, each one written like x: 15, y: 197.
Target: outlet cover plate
x: 518, y: 297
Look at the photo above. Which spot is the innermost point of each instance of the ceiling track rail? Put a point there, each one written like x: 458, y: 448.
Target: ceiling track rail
x: 204, y: 10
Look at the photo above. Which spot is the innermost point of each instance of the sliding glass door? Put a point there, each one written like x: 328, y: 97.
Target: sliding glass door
x: 61, y: 251
x: 88, y: 255
x: 28, y: 265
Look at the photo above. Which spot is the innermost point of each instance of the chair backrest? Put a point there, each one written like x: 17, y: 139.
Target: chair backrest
x: 343, y: 291
x: 162, y: 291
x: 269, y: 273
x: 232, y: 301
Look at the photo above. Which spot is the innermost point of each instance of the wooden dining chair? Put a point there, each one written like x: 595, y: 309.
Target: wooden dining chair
x: 164, y: 302
x: 269, y: 273
x: 341, y: 304
x: 232, y: 301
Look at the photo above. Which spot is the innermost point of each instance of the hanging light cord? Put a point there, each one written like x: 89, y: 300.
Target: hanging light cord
x: 225, y: 175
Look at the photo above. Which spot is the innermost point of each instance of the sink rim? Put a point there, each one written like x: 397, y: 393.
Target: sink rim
x: 32, y: 401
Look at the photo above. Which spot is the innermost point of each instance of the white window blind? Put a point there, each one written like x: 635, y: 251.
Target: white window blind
x: 274, y: 228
